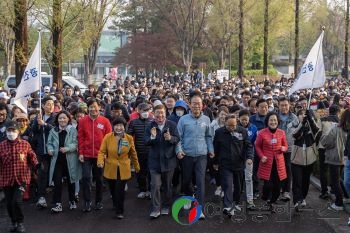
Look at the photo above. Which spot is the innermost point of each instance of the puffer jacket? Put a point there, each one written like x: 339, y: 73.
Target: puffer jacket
x: 137, y: 129
x: 334, y: 143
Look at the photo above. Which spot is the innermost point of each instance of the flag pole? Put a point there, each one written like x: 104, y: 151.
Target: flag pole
x: 39, y: 41
x: 313, y: 76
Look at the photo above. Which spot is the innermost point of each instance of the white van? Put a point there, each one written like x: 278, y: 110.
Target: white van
x: 46, y: 80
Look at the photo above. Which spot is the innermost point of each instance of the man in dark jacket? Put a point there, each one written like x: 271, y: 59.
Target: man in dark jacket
x: 162, y: 136
x: 232, y: 149
x: 137, y: 128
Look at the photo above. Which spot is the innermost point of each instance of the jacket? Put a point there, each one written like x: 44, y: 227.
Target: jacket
x: 269, y: 144
x: 90, y: 135
x: 175, y: 118
x: 41, y: 133
x: 326, y: 124
x: 258, y: 121
x: 288, y: 126
x: 334, y: 143
x: 137, y: 129
x: 16, y: 159
x: 195, y: 136
x: 116, y: 154
x: 162, y: 156
x: 71, y: 143
x: 252, y: 132
x: 232, y: 150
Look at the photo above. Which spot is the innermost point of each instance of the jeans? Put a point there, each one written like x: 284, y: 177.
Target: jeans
x: 43, y: 174
x: 347, y: 176
x: 157, y: 180
x: 286, y: 183
x: 323, y: 170
x: 13, y: 197
x: 248, y: 177
x: 335, y: 182
x: 197, y: 165
x: 90, y: 168
x: 301, y: 181
x: 61, y: 170
x: 229, y: 177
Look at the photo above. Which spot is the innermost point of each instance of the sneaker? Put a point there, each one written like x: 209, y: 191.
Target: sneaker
x: 202, y: 217
x: 337, y: 208
x: 324, y: 196
x: 120, y: 216
x: 229, y: 211
x: 218, y: 191
x: 303, y: 203
x: 297, y: 206
x: 250, y: 205
x: 87, y: 207
x: 213, y: 181
x: 148, y: 195
x: 72, y: 205
x: 346, y: 200
x: 155, y: 214
x: 41, y: 203
x: 285, y: 196
x: 126, y: 187
x: 349, y: 222
x: 99, y: 206
x: 141, y: 195
x: 57, y: 208
x: 76, y: 197
x: 256, y: 196
x: 20, y: 228
x: 237, y: 208
x: 187, y: 206
x: 164, y: 211
x: 13, y: 227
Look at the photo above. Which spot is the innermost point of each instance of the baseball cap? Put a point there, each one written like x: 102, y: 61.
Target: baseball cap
x: 46, y: 89
x: 12, y: 125
x: 3, y: 95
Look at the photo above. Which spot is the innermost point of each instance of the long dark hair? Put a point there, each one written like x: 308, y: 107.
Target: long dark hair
x: 66, y: 113
x: 344, y: 122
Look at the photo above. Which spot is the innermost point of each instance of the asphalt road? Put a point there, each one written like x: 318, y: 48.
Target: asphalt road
x: 312, y: 219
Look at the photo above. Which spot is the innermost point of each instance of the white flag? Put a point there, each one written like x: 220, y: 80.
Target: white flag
x: 312, y: 73
x: 31, y: 78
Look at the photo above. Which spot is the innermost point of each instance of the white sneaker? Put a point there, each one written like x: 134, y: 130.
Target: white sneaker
x: 349, y: 222
x: 237, y: 208
x: 155, y: 214
x: 41, y: 202
x: 187, y: 206
x: 303, y: 203
x: 57, y: 208
x: 228, y: 211
x: 285, y: 196
x: 218, y: 191
x: 202, y: 217
x: 141, y: 195
x: 126, y: 187
x: 337, y: 208
x: 148, y: 194
x: 72, y: 205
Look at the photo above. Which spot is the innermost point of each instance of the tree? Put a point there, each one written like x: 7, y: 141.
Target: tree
x: 266, y: 36
x: 296, y: 39
x: 346, y: 42
x: 21, y: 38
x: 241, y: 40
x: 57, y: 29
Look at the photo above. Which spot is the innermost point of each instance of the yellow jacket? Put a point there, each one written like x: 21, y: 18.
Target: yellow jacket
x: 108, y: 156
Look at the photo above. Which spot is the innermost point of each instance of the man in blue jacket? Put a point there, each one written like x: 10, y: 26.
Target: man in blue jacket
x: 195, y: 145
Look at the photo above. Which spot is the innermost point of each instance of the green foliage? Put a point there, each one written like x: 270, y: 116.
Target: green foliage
x: 270, y: 71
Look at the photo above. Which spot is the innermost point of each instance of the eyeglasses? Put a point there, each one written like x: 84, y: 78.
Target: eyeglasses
x: 3, y: 114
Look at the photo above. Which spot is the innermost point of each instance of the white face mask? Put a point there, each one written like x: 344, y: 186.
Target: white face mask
x: 11, y: 135
x: 145, y: 115
x: 77, y: 92
x: 180, y: 113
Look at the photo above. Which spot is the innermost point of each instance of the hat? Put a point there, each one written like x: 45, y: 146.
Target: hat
x: 143, y: 107
x: 156, y: 103
x: 3, y: 95
x: 12, y: 125
x: 20, y: 116
x: 47, y: 89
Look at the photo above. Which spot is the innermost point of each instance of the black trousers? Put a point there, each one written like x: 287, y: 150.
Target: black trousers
x: 272, y: 187
x: 43, y: 174
x: 286, y: 182
x: 324, y: 168
x: 61, y: 170
x: 336, y: 183
x: 301, y: 181
x: 13, y: 197
x: 144, y: 176
x: 117, y: 189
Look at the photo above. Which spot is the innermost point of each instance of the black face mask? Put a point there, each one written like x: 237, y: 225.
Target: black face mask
x: 272, y: 130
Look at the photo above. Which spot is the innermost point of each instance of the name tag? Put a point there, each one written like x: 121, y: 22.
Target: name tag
x: 273, y: 141
x: 125, y: 143
x: 100, y: 126
x: 238, y: 135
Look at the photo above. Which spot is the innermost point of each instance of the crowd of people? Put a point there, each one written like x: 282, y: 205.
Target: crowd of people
x: 174, y: 132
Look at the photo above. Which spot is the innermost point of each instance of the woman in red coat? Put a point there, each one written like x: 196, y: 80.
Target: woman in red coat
x: 270, y: 144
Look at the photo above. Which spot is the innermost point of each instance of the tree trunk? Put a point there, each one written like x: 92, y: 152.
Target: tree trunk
x: 21, y: 37
x: 241, y: 41
x: 296, y: 40
x: 57, y: 43
x: 266, y: 36
x: 346, y: 49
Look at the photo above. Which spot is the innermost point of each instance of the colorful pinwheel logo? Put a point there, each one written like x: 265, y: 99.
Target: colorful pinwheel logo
x: 194, y: 214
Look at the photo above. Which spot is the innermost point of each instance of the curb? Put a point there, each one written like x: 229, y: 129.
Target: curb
x: 316, y: 183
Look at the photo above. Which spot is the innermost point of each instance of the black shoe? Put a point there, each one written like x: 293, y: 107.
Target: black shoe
x: 99, y: 206
x: 324, y: 196
x: 87, y: 207
x: 13, y: 228
x: 20, y: 228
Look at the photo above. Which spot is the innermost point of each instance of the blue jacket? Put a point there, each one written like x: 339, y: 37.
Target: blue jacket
x: 252, y: 132
x: 175, y: 118
x: 258, y: 121
x: 195, y: 136
x: 161, y: 156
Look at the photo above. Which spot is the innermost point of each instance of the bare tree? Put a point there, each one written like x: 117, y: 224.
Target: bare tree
x: 296, y: 40
x: 241, y: 40
x: 266, y: 36
x: 346, y: 42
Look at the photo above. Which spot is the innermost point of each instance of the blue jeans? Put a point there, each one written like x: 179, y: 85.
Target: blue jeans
x: 90, y: 170
x: 347, y: 176
x: 229, y: 178
x: 197, y: 165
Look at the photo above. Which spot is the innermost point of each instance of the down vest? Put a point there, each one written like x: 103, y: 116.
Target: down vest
x: 269, y: 144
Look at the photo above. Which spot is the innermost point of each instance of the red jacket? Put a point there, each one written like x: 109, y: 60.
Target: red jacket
x: 90, y: 135
x: 269, y: 144
x: 16, y: 159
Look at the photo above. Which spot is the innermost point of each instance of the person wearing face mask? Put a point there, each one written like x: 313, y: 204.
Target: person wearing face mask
x: 15, y: 168
x: 270, y: 145
x: 180, y: 109
x: 62, y: 146
x: 137, y: 128
x: 116, y: 152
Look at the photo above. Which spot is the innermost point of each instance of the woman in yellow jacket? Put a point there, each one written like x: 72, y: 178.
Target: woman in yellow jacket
x: 116, y: 151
